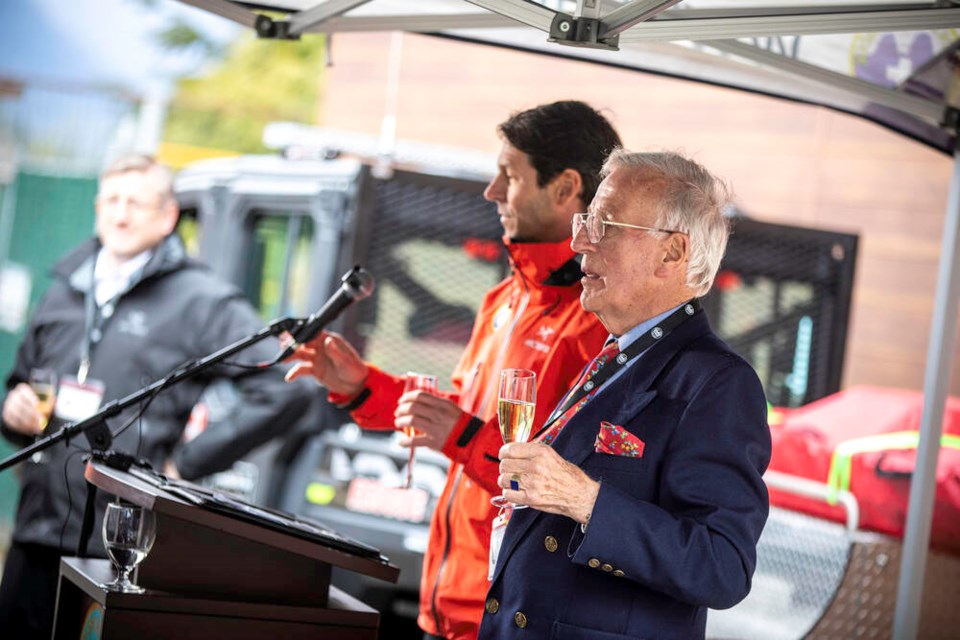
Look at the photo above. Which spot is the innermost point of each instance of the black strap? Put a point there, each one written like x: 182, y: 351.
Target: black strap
x: 469, y: 431
x: 638, y: 346
x: 356, y: 402
x: 95, y: 320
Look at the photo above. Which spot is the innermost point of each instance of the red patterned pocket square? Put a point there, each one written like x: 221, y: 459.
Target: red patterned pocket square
x: 617, y: 441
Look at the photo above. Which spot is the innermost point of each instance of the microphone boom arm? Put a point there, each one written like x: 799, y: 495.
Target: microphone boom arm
x: 114, y: 407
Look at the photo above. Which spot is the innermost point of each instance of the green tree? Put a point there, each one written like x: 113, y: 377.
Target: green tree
x: 256, y: 82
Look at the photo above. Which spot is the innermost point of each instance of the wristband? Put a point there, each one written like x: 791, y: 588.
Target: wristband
x: 356, y: 402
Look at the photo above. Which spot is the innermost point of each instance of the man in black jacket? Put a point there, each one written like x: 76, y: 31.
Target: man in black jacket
x: 124, y: 310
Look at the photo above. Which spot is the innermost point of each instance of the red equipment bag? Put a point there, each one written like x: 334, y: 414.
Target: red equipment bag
x: 864, y: 440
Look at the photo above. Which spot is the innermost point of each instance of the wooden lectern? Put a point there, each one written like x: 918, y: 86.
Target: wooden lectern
x: 213, y: 574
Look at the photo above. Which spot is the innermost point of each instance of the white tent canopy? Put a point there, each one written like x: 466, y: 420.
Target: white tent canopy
x: 896, y: 63
x: 889, y: 61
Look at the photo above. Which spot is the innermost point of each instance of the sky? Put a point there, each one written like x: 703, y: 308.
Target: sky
x: 98, y: 41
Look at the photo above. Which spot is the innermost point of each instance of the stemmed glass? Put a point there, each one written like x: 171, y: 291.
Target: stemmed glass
x: 414, y: 382
x: 516, y: 404
x: 43, y: 382
x: 128, y: 534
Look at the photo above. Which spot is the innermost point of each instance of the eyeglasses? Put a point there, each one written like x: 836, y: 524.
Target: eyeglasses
x: 596, y: 226
x: 134, y: 206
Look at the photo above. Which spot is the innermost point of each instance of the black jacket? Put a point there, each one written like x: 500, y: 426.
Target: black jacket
x: 175, y: 312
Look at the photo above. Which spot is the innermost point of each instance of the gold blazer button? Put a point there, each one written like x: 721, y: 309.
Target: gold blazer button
x: 519, y: 619
x: 492, y: 605
x: 550, y: 543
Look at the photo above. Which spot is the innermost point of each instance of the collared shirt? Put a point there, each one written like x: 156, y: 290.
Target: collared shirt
x: 632, y: 336
x: 109, y: 283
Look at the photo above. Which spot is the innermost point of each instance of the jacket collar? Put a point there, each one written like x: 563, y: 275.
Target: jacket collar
x: 545, y: 263
x: 77, y: 267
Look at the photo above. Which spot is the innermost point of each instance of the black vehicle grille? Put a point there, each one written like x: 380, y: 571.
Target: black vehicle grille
x: 782, y: 300
x: 434, y: 245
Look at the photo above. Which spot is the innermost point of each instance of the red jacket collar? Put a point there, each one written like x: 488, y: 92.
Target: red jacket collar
x: 537, y: 261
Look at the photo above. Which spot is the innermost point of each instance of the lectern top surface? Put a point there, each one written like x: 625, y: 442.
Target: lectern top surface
x: 282, y: 521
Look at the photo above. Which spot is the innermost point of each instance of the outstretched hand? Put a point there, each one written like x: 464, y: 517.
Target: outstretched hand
x: 332, y: 361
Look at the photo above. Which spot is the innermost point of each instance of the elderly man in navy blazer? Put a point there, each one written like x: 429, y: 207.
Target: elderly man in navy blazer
x: 645, y: 486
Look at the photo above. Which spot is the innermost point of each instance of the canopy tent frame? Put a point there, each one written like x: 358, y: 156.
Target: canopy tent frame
x: 635, y: 21
x: 943, y: 333
x: 643, y: 21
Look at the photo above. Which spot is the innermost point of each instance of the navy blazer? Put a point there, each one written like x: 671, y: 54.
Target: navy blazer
x: 673, y: 532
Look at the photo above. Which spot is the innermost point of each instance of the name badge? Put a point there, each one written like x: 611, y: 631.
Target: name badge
x: 78, y: 400
x: 496, y: 539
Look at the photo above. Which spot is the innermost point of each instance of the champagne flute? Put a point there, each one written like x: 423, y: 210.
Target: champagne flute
x: 43, y: 382
x: 515, y: 408
x: 422, y: 382
x: 128, y: 535
x: 44, y: 385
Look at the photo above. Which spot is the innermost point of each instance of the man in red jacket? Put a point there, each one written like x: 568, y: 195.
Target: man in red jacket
x: 548, y: 170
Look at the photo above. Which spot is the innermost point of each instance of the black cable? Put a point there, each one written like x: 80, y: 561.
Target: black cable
x: 66, y: 482
x: 134, y: 418
x: 165, y: 382
x: 144, y: 406
x: 251, y: 367
x: 140, y: 425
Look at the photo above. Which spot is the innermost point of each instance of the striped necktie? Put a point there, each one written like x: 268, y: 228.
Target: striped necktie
x: 553, y: 430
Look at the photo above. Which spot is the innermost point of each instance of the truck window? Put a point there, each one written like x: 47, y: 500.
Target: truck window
x: 277, y: 269
x: 188, y: 229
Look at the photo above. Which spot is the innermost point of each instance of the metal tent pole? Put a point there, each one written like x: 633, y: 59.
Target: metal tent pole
x: 906, y: 622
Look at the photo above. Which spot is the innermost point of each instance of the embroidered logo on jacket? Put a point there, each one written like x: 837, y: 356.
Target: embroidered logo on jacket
x: 534, y: 344
x: 134, y: 323
x: 545, y: 332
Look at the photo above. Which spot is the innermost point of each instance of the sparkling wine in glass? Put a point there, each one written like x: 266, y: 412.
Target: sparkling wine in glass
x: 516, y: 404
x: 128, y: 534
x: 43, y: 382
x: 422, y: 382
x: 44, y: 385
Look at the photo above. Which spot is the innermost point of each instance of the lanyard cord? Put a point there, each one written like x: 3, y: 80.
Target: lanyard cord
x: 638, y: 346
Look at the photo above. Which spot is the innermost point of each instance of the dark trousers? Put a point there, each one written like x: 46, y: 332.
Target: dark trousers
x: 28, y: 591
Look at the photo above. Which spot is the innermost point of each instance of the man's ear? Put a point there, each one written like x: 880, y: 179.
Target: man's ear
x: 567, y: 186
x: 676, y: 251
x: 171, y: 215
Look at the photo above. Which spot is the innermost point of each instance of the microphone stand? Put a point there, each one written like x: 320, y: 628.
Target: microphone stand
x: 95, y: 427
x: 100, y: 438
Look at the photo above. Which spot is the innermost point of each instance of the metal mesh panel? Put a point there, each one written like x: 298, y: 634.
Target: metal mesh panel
x: 866, y: 601
x: 801, y: 562
x: 781, y: 300
x: 435, y: 250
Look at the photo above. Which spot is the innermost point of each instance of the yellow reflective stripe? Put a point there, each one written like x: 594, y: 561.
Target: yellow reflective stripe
x: 838, y: 478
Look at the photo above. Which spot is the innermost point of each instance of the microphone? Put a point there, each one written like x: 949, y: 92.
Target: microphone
x: 356, y: 285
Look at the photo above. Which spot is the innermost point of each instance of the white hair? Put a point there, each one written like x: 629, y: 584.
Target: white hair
x: 692, y: 201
